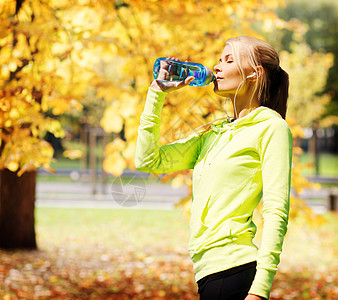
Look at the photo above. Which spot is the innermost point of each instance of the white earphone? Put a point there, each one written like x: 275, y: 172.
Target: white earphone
x: 253, y: 75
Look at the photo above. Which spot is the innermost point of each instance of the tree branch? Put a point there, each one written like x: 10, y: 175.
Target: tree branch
x: 18, y: 6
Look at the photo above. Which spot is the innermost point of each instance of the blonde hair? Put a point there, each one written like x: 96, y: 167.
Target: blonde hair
x: 272, y: 87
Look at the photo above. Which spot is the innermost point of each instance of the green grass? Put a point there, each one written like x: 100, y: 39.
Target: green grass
x: 111, y: 226
x: 66, y: 163
x: 328, y: 164
x: 110, y: 179
x: 140, y: 229
x: 53, y: 178
x: 62, y: 162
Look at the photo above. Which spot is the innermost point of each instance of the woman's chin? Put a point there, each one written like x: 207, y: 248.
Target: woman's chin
x: 220, y: 92
x: 216, y: 90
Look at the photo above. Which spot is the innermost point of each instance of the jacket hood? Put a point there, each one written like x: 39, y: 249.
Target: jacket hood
x: 260, y: 114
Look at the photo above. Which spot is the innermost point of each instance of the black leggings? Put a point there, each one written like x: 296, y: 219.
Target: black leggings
x: 232, y: 284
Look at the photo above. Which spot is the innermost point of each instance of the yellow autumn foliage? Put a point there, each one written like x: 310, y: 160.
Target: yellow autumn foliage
x: 118, y: 162
x: 307, y: 80
x: 51, y: 52
x: 73, y: 153
x: 38, y: 77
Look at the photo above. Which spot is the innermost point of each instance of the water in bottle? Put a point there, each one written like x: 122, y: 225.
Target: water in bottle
x: 179, y: 70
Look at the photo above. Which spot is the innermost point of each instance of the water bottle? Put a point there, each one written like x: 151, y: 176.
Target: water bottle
x: 179, y: 70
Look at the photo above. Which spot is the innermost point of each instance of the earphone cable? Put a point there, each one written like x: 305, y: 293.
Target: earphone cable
x: 225, y: 103
x: 235, y: 98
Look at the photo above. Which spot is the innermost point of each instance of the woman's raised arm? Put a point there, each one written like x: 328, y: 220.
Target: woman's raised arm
x: 150, y: 157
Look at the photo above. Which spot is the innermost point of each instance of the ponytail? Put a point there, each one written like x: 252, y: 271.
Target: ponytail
x: 277, y: 91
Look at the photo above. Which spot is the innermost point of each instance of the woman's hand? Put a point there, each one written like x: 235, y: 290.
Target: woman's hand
x: 253, y: 297
x: 168, y: 86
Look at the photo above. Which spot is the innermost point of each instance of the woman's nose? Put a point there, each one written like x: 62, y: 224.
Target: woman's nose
x: 216, y: 68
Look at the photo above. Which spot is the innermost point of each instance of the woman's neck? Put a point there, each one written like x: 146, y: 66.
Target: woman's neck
x: 246, y: 111
x: 243, y: 106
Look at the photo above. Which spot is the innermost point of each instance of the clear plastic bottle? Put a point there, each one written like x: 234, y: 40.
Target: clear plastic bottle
x: 179, y: 70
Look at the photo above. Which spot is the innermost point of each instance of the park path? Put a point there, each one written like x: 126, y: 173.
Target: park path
x: 132, y: 195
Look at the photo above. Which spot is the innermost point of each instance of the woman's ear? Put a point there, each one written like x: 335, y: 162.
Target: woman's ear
x: 256, y: 74
x: 259, y: 72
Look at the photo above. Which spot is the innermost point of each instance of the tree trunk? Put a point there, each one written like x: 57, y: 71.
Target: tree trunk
x: 17, y: 197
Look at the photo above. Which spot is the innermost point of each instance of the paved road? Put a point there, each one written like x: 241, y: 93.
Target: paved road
x: 135, y: 194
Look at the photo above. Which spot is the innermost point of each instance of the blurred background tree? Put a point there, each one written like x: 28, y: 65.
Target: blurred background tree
x: 321, y: 19
x: 308, y: 71
x: 44, y: 73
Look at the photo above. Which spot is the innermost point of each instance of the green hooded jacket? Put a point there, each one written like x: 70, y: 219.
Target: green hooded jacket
x: 235, y: 165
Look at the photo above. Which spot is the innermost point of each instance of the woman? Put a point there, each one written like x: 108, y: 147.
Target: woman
x: 235, y: 163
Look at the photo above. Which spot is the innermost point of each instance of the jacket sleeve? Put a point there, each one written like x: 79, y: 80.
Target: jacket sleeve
x: 150, y: 157
x: 276, y: 158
